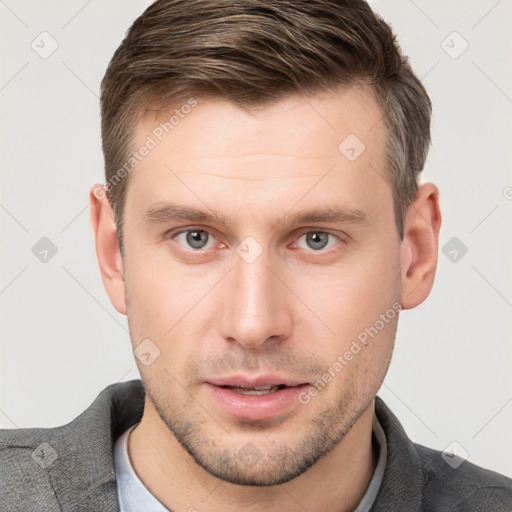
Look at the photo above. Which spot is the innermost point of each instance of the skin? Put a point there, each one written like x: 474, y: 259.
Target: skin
x: 291, y: 311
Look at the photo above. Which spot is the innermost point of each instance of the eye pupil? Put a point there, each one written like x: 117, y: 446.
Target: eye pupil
x: 319, y: 240
x: 196, y: 239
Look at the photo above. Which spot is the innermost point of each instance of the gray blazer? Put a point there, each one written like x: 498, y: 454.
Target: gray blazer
x: 71, y: 468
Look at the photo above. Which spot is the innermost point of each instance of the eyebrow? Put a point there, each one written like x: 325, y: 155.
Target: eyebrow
x: 332, y: 214
x: 169, y: 212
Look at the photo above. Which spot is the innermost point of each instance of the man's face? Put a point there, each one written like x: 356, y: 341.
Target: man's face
x: 262, y: 297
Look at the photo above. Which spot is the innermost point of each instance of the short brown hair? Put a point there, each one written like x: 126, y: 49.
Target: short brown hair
x: 253, y: 53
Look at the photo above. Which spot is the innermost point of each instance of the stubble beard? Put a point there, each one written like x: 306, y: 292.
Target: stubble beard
x: 253, y: 463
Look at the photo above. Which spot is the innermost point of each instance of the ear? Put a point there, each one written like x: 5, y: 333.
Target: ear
x: 419, y: 247
x: 107, y: 246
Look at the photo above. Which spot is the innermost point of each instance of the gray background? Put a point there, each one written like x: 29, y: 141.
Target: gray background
x: 62, y: 341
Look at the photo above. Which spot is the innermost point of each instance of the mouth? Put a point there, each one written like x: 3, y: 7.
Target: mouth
x: 264, y: 397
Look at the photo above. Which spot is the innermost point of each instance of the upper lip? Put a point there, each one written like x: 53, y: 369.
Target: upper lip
x: 245, y: 381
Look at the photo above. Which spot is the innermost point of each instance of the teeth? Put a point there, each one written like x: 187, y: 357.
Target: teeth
x: 257, y: 390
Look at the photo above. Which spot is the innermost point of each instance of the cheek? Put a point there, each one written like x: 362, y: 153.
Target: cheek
x: 169, y: 305
x: 152, y: 307
x: 351, y: 296
x: 157, y: 286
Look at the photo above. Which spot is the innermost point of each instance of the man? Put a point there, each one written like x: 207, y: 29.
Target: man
x: 262, y: 226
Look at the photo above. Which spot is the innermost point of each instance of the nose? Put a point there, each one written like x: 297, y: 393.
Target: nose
x: 257, y: 306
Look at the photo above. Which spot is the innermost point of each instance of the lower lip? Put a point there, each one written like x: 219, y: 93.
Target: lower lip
x: 256, y: 407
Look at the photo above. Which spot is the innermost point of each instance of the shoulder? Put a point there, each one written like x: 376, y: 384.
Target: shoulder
x: 25, y: 456
x: 115, y: 408
x: 461, y: 484
x: 420, y: 478
x: 63, y: 467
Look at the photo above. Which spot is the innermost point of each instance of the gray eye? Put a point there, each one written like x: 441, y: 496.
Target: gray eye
x: 196, y: 239
x: 317, y: 239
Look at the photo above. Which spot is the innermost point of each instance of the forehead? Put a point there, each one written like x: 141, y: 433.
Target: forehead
x: 284, y: 124
x: 205, y: 147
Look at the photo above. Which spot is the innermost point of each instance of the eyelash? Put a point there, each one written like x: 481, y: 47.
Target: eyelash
x: 173, y: 235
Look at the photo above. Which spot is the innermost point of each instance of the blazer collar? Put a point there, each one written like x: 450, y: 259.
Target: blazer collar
x: 402, y: 482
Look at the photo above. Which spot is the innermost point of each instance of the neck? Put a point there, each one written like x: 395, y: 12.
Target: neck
x: 337, y: 482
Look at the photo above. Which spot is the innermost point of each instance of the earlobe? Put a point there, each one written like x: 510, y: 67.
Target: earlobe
x: 419, y: 249
x: 107, y: 246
